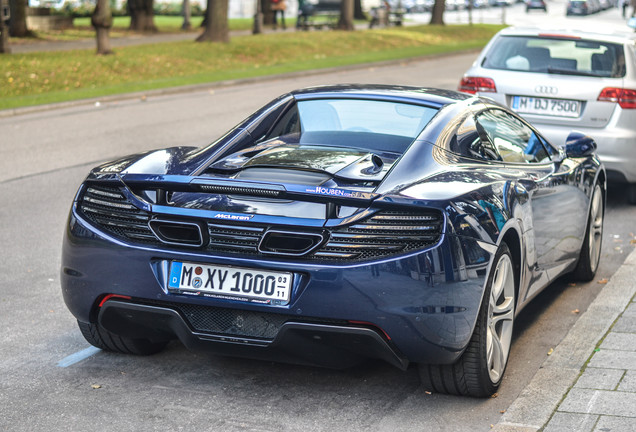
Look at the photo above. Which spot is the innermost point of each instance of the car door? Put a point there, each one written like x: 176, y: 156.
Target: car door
x: 558, y: 205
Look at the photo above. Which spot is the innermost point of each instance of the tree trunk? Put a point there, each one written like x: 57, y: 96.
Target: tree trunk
x: 18, y: 27
x: 358, y: 13
x: 4, y: 34
x: 437, y: 14
x: 216, y: 29
x: 142, y: 16
x: 187, y: 14
x: 258, y: 19
x: 346, y: 15
x: 268, y: 13
x: 102, y: 20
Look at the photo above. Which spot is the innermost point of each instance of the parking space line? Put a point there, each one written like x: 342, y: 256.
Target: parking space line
x: 78, y: 356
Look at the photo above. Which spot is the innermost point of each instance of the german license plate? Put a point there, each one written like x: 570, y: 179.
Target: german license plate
x: 545, y: 106
x: 236, y: 283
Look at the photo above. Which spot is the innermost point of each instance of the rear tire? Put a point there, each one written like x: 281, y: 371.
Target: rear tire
x: 101, y: 338
x: 480, y: 370
x: 590, y: 254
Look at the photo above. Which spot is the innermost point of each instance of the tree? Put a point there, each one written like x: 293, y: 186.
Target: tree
x: 358, y: 13
x: 102, y: 20
x: 4, y: 32
x: 187, y: 13
x: 437, y: 15
x: 142, y: 15
x: 216, y: 27
x: 18, y: 27
x: 346, y: 15
x: 257, y: 28
x: 268, y: 13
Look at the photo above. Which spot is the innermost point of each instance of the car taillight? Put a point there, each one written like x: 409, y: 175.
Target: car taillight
x: 473, y: 85
x: 625, y: 98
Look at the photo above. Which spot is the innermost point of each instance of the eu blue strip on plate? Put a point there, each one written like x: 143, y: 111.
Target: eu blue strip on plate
x: 175, y: 274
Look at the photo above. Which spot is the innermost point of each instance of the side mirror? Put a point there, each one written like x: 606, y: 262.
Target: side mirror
x: 579, y: 145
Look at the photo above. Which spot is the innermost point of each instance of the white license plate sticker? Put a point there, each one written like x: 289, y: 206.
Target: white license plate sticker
x: 235, y: 283
x: 545, y: 106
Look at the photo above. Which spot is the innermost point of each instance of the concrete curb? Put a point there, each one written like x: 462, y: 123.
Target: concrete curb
x: 536, y: 404
x: 220, y: 84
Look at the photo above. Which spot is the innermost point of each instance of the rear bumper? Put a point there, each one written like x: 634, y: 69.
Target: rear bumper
x: 422, y: 306
x: 326, y: 345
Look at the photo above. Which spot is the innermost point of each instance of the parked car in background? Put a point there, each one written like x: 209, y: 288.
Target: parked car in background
x: 564, y: 80
x: 337, y: 224
x: 536, y: 4
x: 582, y: 7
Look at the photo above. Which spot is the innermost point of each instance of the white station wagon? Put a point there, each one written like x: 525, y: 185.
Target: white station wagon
x: 564, y: 80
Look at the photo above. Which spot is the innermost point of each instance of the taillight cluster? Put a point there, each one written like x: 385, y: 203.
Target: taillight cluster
x: 625, y: 98
x: 474, y: 85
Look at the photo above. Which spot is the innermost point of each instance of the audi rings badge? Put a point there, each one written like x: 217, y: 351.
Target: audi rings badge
x: 544, y: 89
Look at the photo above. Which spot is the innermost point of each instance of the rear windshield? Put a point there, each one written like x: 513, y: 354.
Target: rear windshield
x: 557, y: 56
x: 368, y: 124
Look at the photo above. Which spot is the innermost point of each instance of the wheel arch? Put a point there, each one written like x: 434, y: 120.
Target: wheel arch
x: 513, y: 240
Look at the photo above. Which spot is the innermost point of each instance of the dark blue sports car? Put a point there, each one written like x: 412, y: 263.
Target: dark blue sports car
x: 337, y: 224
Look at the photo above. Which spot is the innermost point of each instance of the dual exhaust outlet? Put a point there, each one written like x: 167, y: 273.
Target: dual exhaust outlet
x: 273, y: 241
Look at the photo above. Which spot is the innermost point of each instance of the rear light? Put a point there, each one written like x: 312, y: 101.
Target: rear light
x: 473, y: 85
x: 386, y: 335
x: 625, y: 98
x: 115, y: 296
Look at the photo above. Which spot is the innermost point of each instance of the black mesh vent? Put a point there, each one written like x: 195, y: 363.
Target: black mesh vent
x: 232, y: 238
x: 386, y: 234
x: 231, y: 322
x: 108, y: 208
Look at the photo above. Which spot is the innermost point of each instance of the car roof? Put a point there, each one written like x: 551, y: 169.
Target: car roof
x: 422, y: 95
x: 616, y: 36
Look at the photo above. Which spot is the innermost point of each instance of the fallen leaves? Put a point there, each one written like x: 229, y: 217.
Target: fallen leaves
x: 550, y: 351
x: 603, y: 281
x: 576, y: 311
x: 95, y: 386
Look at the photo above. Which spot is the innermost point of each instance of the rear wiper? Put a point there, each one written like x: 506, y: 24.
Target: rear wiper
x: 553, y: 70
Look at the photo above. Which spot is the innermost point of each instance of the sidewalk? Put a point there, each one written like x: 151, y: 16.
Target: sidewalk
x: 589, y: 381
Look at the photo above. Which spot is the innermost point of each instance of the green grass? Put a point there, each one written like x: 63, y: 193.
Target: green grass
x: 46, y: 77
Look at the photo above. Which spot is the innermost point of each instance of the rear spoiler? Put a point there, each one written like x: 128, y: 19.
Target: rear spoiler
x: 178, y: 183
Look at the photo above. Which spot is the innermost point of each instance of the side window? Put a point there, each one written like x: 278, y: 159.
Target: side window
x: 289, y: 123
x: 514, y: 140
x: 471, y: 141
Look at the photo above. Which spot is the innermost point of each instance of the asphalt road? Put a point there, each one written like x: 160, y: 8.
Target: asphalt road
x: 44, y: 157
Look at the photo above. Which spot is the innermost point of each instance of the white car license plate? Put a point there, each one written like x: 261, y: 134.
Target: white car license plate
x: 235, y: 283
x: 545, y: 106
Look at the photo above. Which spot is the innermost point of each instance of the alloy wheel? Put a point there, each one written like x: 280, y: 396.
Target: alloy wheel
x: 595, y: 235
x: 500, y: 318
